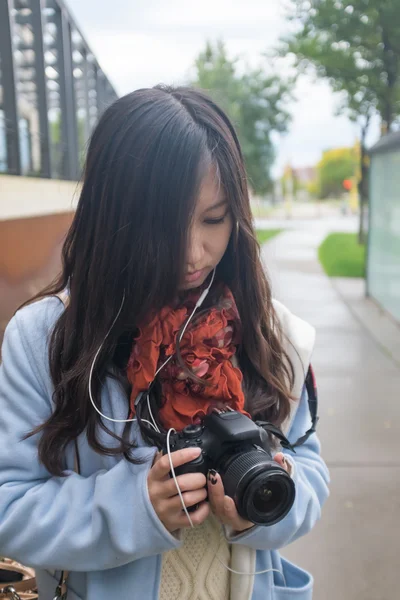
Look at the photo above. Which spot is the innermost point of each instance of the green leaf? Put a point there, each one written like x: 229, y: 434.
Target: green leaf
x: 356, y: 47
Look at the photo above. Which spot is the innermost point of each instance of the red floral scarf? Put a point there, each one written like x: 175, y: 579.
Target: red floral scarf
x: 207, y: 348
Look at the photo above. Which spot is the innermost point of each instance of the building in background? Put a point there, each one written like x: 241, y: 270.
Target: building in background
x: 52, y: 92
x: 296, y: 182
x: 383, y: 263
x: 305, y: 175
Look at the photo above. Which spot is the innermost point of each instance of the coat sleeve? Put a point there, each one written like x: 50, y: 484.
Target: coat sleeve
x: 74, y: 523
x: 311, y: 479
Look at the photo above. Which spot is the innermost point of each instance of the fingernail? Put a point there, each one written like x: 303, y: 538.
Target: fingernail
x: 212, y: 476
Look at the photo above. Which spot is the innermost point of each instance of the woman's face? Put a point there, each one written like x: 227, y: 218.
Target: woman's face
x: 210, y: 231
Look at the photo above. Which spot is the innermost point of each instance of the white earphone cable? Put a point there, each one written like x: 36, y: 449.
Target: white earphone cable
x: 92, y: 368
x: 175, y: 479
x: 151, y: 415
x: 254, y: 573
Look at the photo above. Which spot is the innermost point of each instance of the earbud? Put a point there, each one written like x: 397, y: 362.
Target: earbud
x: 202, y: 298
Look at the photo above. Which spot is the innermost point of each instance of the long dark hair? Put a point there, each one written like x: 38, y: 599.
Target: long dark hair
x: 128, y: 238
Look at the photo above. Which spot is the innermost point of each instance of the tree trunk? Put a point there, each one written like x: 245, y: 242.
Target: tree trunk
x: 390, y: 67
x: 363, y: 191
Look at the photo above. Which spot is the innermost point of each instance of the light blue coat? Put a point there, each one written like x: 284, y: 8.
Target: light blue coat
x: 101, y: 525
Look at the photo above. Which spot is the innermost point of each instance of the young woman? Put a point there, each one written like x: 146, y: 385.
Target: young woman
x: 163, y: 216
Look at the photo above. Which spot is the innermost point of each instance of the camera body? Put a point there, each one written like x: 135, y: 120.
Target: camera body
x: 239, y: 450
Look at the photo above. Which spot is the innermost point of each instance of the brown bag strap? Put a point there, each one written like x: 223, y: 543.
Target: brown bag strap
x: 18, y: 590
x: 62, y: 589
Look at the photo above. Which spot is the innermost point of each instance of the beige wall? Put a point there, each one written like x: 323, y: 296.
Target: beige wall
x: 35, y: 215
x: 22, y: 197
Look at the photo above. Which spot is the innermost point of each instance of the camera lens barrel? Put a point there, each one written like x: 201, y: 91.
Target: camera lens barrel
x: 263, y: 491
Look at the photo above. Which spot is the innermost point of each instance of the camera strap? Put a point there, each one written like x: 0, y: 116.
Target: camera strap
x: 311, y: 387
x: 312, y: 393
x: 270, y: 428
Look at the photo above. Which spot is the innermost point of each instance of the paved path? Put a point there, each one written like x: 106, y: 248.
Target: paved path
x: 354, y: 551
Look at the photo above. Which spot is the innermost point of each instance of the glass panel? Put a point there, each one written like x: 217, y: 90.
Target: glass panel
x: 384, y: 244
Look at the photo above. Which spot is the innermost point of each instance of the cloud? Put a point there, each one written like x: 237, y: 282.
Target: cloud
x: 141, y: 60
x: 254, y: 18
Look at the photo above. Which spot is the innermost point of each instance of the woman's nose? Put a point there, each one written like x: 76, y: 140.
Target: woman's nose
x: 195, y: 252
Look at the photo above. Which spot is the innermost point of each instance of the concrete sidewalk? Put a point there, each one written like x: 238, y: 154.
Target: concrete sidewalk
x: 354, y: 550
x: 382, y: 327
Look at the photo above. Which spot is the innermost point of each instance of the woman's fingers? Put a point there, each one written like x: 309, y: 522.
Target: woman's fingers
x: 190, y: 499
x: 164, y: 494
x: 281, y: 460
x: 161, y: 466
x: 197, y: 516
x: 188, y: 482
x: 223, y: 506
x: 216, y: 493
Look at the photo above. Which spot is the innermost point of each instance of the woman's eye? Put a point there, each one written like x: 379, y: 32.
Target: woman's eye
x: 214, y: 221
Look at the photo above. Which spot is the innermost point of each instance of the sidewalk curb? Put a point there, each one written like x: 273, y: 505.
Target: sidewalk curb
x: 380, y: 326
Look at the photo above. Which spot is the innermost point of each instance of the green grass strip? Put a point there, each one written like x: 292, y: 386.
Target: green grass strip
x: 342, y: 256
x: 264, y: 235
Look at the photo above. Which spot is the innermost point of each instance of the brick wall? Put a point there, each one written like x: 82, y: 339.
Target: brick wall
x: 35, y: 215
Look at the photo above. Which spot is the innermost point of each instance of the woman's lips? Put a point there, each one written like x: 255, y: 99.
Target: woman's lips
x: 192, y: 277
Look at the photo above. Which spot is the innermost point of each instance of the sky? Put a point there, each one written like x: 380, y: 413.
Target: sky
x: 140, y: 43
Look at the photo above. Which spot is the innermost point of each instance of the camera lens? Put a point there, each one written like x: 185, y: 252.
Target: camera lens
x: 263, y: 491
x: 266, y: 498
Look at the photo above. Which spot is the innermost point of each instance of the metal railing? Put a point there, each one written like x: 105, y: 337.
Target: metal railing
x: 52, y: 90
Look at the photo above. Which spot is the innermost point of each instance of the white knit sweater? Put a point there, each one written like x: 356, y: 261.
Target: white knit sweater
x: 193, y: 572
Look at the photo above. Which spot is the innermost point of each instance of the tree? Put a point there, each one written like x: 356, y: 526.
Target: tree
x: 334, y: 167
x: 254, y: 101
x: 355, y: 45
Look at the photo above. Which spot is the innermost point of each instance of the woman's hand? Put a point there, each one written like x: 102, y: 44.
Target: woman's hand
x: 164, y: 496
x: 224, y: 506
x: 282, y: 462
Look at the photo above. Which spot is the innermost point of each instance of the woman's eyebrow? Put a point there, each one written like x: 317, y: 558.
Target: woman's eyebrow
x: 217, y: 205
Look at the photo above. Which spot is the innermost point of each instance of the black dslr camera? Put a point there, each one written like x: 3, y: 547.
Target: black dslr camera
x: 240, y: 451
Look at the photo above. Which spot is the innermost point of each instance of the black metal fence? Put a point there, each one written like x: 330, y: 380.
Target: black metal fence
x: 52, y: 90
